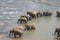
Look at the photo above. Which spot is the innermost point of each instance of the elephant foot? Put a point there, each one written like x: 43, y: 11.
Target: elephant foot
x: 20, y: 35
x: 20, y: 21
x: 28, y: 28
x: 15, y: 36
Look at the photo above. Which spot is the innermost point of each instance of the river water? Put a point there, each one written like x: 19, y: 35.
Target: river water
x: 11, y: 10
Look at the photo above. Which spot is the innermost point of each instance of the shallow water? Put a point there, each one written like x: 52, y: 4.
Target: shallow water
x: 11, y: 10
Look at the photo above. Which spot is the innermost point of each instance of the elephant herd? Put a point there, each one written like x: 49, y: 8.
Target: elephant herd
x: 18, y: 31
x: 33, y: 14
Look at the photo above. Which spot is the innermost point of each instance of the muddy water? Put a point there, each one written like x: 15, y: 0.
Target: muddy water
x: 11, y: 10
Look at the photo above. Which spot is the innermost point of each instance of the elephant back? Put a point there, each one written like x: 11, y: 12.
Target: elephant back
x: 20, y: 27
x: 23, y: 18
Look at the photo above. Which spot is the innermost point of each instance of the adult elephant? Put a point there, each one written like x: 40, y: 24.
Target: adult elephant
x: 30, y: 26
x: 47, y: 13
x: 26, y: 16
x: 23, y: 19
x: 58, y: 13
x: 39, y: 13
x: 16, y: 31
x: 57, y: 30
x: 32, y: 13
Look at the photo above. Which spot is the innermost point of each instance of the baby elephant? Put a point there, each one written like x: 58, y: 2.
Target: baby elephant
x: 23, y: 19
x: 16, y: 31
x: 26, y: 16
x: 30, y: 26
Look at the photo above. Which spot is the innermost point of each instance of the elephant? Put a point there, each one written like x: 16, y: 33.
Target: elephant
x: 58, y: 13
x: 32, y: 13
x: 39, y: 13
x: 26, y: 16
x: 23, y: 19
x: 16, y: 31
x: 30, y: 27
x: 57, y: 30
x: 47, y: 13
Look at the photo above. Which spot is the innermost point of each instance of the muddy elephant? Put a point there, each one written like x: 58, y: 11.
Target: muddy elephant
x: 22, y: 20
x: 47, y: 13
x: 26, y: 16
x: 57, y: 31
x: 32, y: 13
x: 16, y: 31
x: 30, y: 27
x: 58, y: 13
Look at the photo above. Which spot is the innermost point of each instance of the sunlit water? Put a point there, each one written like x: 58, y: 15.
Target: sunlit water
x: 11, y: 10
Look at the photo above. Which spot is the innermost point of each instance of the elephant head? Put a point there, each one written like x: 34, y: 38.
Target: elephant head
x: 23, y: 19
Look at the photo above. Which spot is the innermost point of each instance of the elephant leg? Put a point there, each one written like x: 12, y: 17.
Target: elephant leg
x: 46, y: 15
x: 20, y: 21
x: 32, y: 28
x: 9, y: 34
x: 20, y: 35
x: 37, y: 15
x: 50, y: 14
x: 14, y: 35
x: 28, y: 28
x: 30, y: 18
x: 40, y: 15
x: 57, y: 37
x: 25, y: 21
